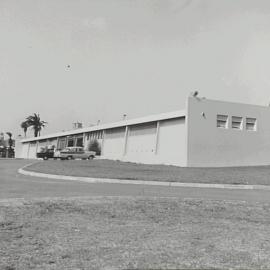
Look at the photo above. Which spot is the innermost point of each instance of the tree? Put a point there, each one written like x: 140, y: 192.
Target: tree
x: 35, y: 122
x: 9, y: 151
x: 24, y: 126
x: 10, y: 141
x: 2, y: 140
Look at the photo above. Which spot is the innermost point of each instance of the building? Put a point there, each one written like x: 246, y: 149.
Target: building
x: 207, y: 133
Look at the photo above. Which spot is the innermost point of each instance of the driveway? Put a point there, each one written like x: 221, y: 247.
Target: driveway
x: 14, y: 185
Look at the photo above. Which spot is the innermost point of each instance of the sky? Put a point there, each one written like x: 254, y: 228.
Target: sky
x: 90, y: 60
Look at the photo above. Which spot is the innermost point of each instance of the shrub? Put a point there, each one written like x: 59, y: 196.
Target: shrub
x: 94, y: 145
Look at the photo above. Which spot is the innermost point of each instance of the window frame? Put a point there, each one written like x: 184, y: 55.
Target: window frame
x: 233, y: 120
x: 254, y: 124
x: 220, y: 120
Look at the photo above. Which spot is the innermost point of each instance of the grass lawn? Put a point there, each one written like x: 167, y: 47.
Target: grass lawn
x: 133, y: 171
x: 133, y: 233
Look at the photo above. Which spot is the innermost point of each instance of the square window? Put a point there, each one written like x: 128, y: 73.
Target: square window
x: 222, y: 121
x: 237, y: 122
x: 251, y: 124
x: 70, y: 142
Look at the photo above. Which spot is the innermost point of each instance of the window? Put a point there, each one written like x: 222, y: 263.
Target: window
x: 237, y: 122
x: 79, y: 141
x: 100, y: 134
x: 61, y: 144
x: 222, y: 121
x: 70, y: 142
x: 251, y: 124
x: 96, y: 135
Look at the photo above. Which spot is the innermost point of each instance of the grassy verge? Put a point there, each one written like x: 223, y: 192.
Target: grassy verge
x: 133, y: 171
x: 133, y: 233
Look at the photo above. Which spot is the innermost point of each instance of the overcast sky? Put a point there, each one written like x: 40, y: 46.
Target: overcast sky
x: 90, y: 60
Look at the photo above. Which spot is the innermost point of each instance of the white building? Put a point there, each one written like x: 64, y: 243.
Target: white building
x: 207, y: 133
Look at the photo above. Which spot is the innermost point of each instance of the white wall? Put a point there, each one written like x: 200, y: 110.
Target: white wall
x: 18, y: 147
x: 212, y: 146
x: 172, y: 142
x: 144, y: 145
x: 32, y: 150
x: 21, y: 151
x: 141, y: 143
x: 113, y: 146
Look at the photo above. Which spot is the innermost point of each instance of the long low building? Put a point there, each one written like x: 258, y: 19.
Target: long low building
x: 208, y: 133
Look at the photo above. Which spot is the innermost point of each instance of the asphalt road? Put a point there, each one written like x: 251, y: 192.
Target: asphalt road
x: 14, y: 185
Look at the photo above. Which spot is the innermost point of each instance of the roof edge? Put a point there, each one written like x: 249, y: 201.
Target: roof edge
x: 123, y: 123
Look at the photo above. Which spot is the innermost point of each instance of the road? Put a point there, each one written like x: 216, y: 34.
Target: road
x: 14, y: 185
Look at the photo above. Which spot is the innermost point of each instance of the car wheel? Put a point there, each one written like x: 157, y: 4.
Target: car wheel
x: 45, y: 158
x: 91, y: 157
x: 69, y: 157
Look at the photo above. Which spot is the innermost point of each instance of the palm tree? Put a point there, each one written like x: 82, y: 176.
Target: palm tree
x: 35, y: 122
x: 24, y: 126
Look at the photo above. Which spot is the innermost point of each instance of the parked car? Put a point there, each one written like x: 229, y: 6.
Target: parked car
x: 76, y: 152
x: 45, y: 154
x: 48, y: 152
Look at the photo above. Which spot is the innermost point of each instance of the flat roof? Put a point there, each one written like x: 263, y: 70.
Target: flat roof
x: 123, y: 123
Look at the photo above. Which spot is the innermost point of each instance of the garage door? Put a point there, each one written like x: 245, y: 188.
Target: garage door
x: 114, y: 142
